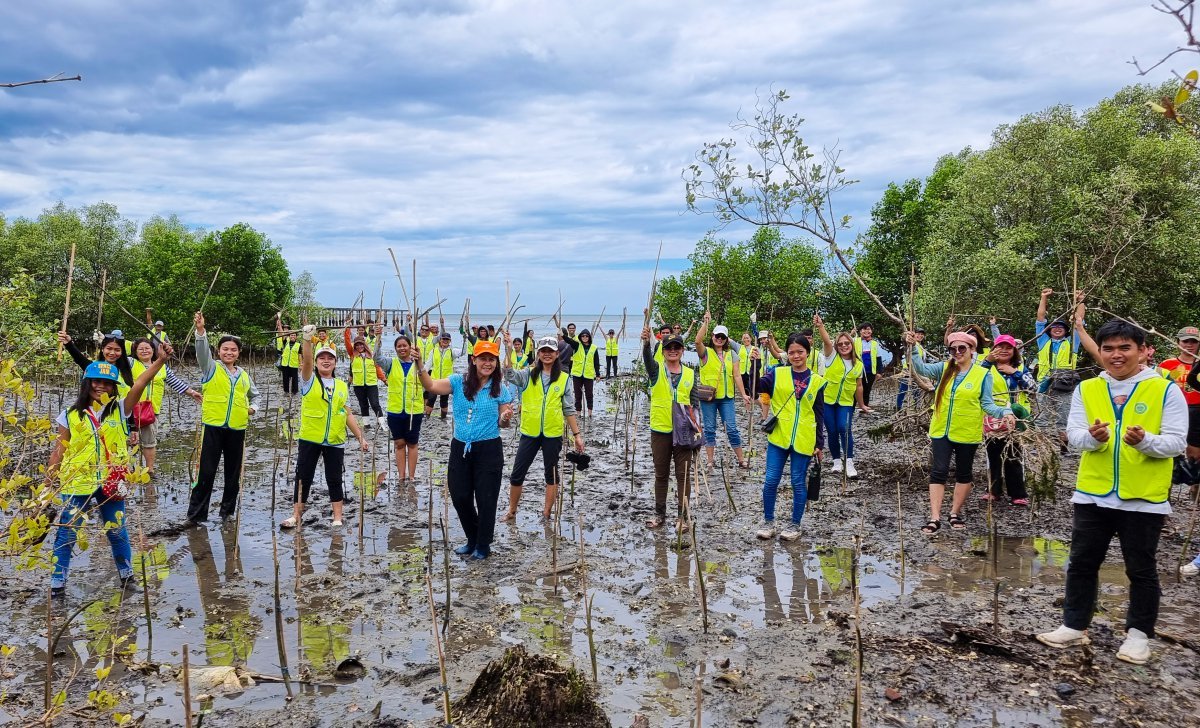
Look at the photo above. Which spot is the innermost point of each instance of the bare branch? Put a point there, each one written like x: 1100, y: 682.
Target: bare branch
x: 53, y: 79
x: 1184, y: 12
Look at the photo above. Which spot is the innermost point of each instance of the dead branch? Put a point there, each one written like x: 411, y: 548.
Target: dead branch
x: 53, y: 79
x: 1184, y: 12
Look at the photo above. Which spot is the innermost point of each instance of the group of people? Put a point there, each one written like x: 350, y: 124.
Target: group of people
x: 1131, y: 423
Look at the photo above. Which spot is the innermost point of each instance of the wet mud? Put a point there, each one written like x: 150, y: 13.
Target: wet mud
x: 333, y: 627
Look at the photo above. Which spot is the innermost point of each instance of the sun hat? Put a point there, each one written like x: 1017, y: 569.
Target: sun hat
x: 764, y: 334
x: 486, y: 347
x: 101, y: 370
x: 961, y: 337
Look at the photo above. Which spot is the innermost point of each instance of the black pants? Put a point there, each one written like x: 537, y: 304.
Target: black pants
x: 1005, y: 467
x: 368, y: 393
x: 527, y: 450
x: 964, y: 460
x: 291, y: 380
x: 431, y: 398
x: 218, y: 442
x: 583, y: 386
x: 1091, y: 532
x: 307, y: 455
x: 474, y: 482
x: 868, y: 381
x: 610, y: 366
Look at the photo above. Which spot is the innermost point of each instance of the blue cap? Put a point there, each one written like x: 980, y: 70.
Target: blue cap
x: 117, y: 334
x: 101, y: 370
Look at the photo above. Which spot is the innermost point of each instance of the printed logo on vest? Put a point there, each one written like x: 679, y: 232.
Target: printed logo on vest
x: 1141, y: 408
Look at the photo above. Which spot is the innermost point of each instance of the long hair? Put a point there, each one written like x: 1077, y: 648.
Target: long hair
x: 472, y: 382
x: 535, y: 367
x: 84, y: 400
x: 981, y: 340
x: 848, y: 336
x: 122, y: 362
x: 947, y: 376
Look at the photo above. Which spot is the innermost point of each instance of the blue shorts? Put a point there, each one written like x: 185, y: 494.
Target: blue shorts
x: 405, y: 427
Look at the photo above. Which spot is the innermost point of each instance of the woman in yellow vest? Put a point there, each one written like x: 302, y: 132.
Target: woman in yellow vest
x: 405, y: 405
x: 845, y: 388
x: 585, y: 370
x: 962, y: 396
x: 1130, y: 424
x: 547, y: 407
x: 671, y: 385
x: 612, y: 349
x: 324, y: 419
x: 364, y: 377
x: 720, y: 368
x: 91, y: 449
x: 229, y: 397
x: 147, y: 434
x: 289, y: 358
x: 441, y: 366
x: 1010, y: 385
x: 750, y: 365
x: 518, y: 356
x: 798, y: 433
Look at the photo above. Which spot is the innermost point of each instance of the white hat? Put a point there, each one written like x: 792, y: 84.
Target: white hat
x: 721, y: 331
x: 325, y: 350
x: 764, y: 334
x: 158, y: 323
x: 547, y: 342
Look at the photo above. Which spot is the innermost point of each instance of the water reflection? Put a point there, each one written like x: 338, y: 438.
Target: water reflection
x: 230, y: 629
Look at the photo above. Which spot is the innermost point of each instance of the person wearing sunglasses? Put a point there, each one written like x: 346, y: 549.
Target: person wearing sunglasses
x: 961, y: 398
x: 229, y: 397
x: 719, y: 368
x: 845, y: 388
x: 671, y: 383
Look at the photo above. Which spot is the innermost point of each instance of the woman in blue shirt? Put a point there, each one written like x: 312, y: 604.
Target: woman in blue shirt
x: 481, y: 407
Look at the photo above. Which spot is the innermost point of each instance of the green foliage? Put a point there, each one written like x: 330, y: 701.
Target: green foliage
x: 767, y: 274
x: 304, y: 304
x: 1110, y: 187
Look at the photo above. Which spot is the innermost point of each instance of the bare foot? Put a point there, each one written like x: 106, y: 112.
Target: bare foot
x: 508, y: 516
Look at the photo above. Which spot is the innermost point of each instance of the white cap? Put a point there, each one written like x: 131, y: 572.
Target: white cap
x: 721, y: 331
x: 764, y: 334
x: 325, y: 350
x: 158, y: 323
x: 547, y: 342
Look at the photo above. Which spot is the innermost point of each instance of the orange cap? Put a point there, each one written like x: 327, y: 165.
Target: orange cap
x: 487, y: 347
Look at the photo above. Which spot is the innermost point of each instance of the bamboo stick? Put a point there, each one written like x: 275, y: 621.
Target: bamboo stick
x: 103, y: 290
x: 437, y: 640
x: 187, y: 691
x: 67, y: 305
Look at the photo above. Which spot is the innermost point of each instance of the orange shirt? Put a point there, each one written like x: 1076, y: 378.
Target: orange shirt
x: 1179, y: 372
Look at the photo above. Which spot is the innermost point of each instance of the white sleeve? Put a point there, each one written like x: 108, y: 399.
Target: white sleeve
x: 1172, y: 441
x: 1077, y: 426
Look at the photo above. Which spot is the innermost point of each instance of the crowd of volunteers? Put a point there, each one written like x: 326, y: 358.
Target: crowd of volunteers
x: 1134, y: 427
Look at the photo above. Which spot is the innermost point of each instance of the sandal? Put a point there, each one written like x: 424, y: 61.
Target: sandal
x: 957, y: 522
x: 656, y: 522
x: 932, y: 527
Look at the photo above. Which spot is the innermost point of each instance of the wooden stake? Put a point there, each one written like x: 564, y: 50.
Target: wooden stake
x: 653, y: 286
x: 49, y: 687
x: 103, y: 290
x: 437, y: 640
x: 67, y: 305
x: 187, y: 690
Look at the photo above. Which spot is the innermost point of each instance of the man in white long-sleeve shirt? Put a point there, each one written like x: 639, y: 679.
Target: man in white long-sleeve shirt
x: 1130, y: 423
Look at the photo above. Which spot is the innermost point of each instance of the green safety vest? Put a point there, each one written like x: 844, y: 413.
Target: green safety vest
x: 362, y: 372
x: 541, y: 408
x: 405, y: 393
x: 960, y: 415
x: 663, y: 395
x: 91, y: 451
x: 323, y: 415
x: 154, y: 390
x: 846, y: 379
x: 226, y: 400
x: 1064, y: 359
x: 717, y: 371
x: 584, y: 365
x: 796, y: 426
x: 1116, y: 467
x: 289, y: 352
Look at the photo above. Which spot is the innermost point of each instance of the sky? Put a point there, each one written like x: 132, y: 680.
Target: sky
x: 539, y: 143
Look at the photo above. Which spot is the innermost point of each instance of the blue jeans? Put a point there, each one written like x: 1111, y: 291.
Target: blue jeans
x: 776, y: 456
x: 74, y: 508
x: 903, y: 391
x: 727, y: 408
x: 837, y: 428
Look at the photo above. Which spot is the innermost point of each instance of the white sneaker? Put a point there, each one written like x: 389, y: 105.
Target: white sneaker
x: 850, y: 471
x: 366, y: 422
x: 837, y: 465
x: 791, y: 532
x: 1189, y: 569
x: 1136, y: 648
x: 383, y: 420
x: 1064, y: 636
x: 767, y: 531
x: 336, y: 524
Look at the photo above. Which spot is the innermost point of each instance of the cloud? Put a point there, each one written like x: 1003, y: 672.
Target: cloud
x: 536, y: 142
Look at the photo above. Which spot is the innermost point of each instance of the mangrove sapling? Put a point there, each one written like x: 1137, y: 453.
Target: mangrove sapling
x: 557, y: 531
x: 445, y: 564
x: 900, y: 529
x: 146, y: 592
x: 237, y: 519
x: 856, y: 715
x: 700, y: 577
x: 437, y: 640
x: 187, y: 690
x: 996, y: 605
x: 279, y: 640
x: 698, y: 687
x: 728, y: 489
x: 362, y: 499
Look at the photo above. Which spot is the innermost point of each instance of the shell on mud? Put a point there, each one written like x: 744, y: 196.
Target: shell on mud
x: 218, y: 679
x: 349, y: 669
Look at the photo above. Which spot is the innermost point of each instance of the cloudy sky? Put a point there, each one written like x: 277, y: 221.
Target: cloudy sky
x: 538, y: 142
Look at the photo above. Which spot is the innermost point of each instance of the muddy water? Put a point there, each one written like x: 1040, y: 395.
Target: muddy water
x: 772, y: 654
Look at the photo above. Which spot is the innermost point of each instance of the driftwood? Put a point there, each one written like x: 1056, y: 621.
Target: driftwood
x: 986, y: 641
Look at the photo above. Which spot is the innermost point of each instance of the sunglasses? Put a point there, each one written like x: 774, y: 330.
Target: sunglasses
x: 720, y: 336
x: 673, y: 348
x: 958, y: 349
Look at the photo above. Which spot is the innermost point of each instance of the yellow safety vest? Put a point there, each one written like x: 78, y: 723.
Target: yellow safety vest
x: 663, y: 395
x: 846, y: 379
x: 541, y: 409
x: 85, y: 465
x: 1116, y: 467
x: 1064, y: 359
x: 405, y: 393
x: 362, y: 372
x: 318, y: 343
x: 154, y: 390
x: 442, y: 363
x: 611, y: 346
x: 960, y: 416
x: 323, y: 414
x: 226, y: 400
x: 744, y: 358
x: 518, y: 361
x: 289, y: 352
x: 796, y: 426
x: 873, y: 347
x: 584, y: 365
x: 717, y: 371
x: 1000, y: 394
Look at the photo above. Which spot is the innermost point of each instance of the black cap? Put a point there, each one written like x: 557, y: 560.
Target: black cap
x: 1059, y: 322
x: 673, y: 339
x: 919, y: 330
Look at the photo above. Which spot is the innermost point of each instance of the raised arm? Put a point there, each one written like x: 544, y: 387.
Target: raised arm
x: 826, y: 342
x: 701, y: 334
x: 433, y: 386
x: 139, y: 385
x: 79, y: 357
x: 306, y: 352
x: 203, y: 356
x: 1045, y: 299
x: 1085, y: 339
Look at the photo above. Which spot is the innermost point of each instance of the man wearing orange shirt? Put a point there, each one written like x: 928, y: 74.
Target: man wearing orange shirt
x: 1179, y: 368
